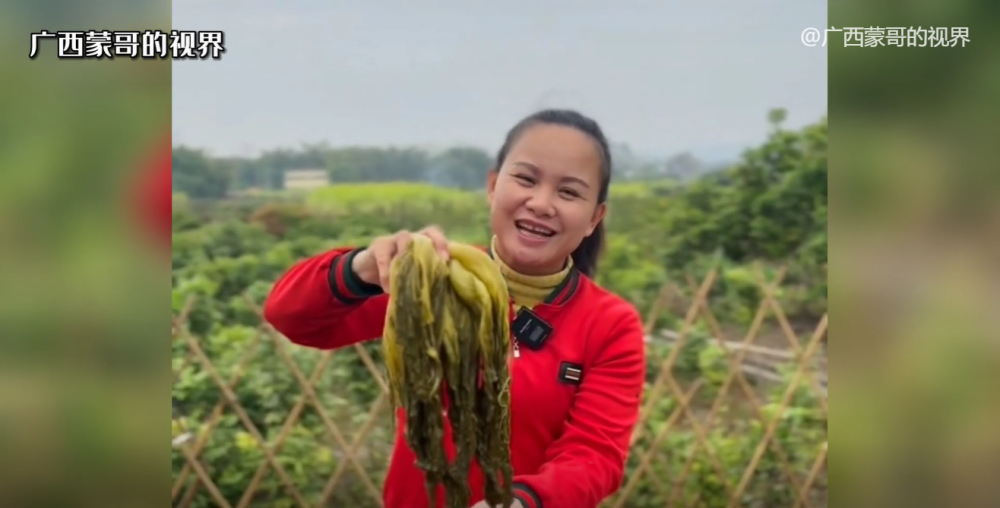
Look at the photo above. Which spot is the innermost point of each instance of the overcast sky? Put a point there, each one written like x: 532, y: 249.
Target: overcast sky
x: 661, y: 75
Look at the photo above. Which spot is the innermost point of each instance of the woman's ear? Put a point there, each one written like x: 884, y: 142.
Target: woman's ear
x: 599, y: 214
x: 491, y: 184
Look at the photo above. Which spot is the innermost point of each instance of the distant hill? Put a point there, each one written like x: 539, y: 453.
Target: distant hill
x: 721, y: 154
x: 681, y: 167
x: 712, y: 154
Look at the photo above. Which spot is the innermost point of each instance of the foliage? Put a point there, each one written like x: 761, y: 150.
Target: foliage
x: 196, y: 175
x: 769, y: 209
x: 800, y: 433
x: 202, y: 176
x: 382, y: 197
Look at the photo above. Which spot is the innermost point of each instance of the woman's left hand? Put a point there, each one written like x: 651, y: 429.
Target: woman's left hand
x: 482, y: 504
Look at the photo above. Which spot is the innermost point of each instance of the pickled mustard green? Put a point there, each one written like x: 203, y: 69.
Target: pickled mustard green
x: 447, y: 331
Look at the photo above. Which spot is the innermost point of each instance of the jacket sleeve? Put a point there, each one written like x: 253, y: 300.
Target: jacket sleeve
x: 321, y: 303
x: 586, y: 464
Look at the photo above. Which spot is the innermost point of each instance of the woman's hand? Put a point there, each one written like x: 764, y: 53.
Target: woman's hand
x: 372, y: 264
x: 482, y: 504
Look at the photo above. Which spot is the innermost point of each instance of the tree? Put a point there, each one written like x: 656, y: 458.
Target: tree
x: 193, y: 173
x: 683, y: 166
x: 771, y: 205
x: 462, y: 167
x: 369, y: 164
x: 776, y: 117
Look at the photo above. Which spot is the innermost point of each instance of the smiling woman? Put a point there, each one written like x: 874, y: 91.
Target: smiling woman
x: 548, y: 193
x: 576, y: 360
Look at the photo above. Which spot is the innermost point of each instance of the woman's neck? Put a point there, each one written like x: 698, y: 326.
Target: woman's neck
x: 529, y: 290
x: 549, y: 271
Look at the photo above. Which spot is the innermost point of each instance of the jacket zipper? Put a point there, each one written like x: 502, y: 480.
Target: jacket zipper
x: 517, y: 347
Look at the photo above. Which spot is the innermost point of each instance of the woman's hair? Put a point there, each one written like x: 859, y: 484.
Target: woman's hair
x: 586, y: 255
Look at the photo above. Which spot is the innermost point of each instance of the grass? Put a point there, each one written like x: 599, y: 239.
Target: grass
x: 376, y: 195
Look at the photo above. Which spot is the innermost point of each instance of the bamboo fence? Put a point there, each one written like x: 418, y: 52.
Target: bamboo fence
x: 749, y: 366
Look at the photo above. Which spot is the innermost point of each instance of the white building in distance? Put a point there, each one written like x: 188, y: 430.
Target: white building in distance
x: 306, y: 178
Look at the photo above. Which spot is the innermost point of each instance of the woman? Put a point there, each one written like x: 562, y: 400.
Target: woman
x: 578, y: 368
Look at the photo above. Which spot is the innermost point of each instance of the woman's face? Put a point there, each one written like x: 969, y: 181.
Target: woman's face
x: 544, y: 200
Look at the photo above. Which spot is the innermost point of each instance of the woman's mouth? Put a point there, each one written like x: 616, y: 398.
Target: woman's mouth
x: 534, y: 230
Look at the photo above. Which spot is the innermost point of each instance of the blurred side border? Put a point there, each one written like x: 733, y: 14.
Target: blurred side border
x: 915, y: 282
x: 84, y: 262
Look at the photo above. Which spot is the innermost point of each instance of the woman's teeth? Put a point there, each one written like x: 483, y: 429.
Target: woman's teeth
x: 535, y: 230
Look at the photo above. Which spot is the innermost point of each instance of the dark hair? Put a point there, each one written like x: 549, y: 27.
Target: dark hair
x: 586, y: 255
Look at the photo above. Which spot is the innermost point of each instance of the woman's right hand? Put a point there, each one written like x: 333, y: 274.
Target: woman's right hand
x: 372, y: 264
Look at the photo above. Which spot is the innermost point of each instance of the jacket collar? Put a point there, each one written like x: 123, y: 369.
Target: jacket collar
x: 563, y: 292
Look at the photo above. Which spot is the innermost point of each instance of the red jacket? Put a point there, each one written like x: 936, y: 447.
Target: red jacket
x: 574, y: 402
x: 150, y: 197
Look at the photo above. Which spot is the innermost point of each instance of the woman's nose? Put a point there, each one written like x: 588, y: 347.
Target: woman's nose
x: 540, y: 203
